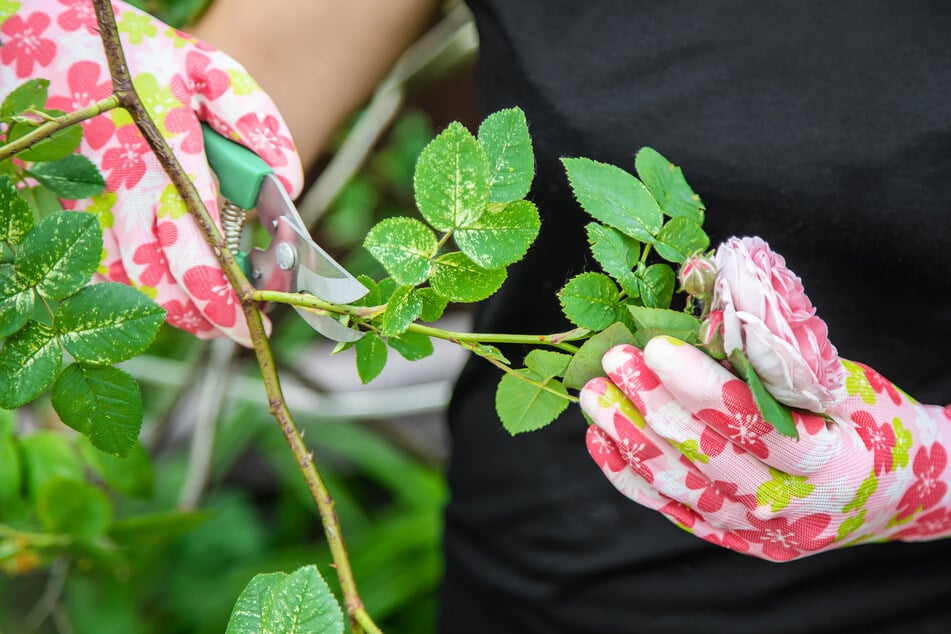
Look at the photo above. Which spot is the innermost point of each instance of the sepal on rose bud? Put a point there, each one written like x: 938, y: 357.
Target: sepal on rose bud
x: 698, y: 275
x: 711, y: 334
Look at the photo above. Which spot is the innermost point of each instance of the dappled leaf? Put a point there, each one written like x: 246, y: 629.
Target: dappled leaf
x: 501, y: 235
x: 16, y: 301
x: 16, y: 217
x: 402, y: 309
x: 29, y: 362
x: 301, y: 603
x: 504, y: 137
x: 459, y: 279
x: 107, y: 323
x: 434, y: 304
x: 452, y: 179
x: 246, y: 615
x: 61, y: 253
x: 371, y: 356
x: 404, y: 247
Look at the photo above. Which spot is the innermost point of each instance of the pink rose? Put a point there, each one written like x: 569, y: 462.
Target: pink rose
x: 767, y: 315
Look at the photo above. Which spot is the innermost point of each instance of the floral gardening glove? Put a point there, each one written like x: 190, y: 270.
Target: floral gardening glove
x: 679, y: 433
x: 150, y: 240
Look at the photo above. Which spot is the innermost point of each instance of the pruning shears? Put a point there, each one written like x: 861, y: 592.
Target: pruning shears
x: 292, y: 262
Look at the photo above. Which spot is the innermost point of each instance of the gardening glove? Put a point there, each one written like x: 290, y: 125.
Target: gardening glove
x: 677, y: 432
x: 150, y: 241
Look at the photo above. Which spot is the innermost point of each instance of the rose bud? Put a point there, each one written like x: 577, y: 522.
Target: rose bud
x: 711, y: 334
x: 698, y: 275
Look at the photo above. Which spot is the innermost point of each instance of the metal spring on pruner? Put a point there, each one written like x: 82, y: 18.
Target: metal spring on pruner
x: 232, y: 221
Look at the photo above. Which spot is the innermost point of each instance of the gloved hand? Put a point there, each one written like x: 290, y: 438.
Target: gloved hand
x: 677, y: 432
x: 150, y: 241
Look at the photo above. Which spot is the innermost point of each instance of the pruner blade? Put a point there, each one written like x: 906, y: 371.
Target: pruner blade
x: 292, y: 262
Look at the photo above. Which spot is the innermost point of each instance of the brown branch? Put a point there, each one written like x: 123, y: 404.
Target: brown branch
x: 128, y: 99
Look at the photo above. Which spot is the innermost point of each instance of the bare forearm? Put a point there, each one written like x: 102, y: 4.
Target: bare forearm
x: 318, y: 59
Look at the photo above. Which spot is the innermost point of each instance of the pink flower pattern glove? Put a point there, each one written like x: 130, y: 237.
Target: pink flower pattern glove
x: 677, y: 432
x: 150, y: 241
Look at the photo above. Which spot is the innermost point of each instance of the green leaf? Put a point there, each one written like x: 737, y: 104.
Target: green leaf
x: 546, y: 363
x: 614, y: 197
x: 679, y: 239
x: 61, y: 253
x: 501, y: 235
x: 774, y: 412
x: 590, y: 300
x: 504, y: 137
x: 69, y: 506
x: 29, y: 362
x: 404, y: 246
x: 656, y: 285
x: 16, y: 217
x: 412, y: 346
x: 107, y: 323
x: 522, y: 406
x: 103, y: 403
x: 586, y: 363
x: 654, y: 322
x: 58, y: 145
x: 402, y: 309
x: 452, y: 179
x: 16, y: 301
x: 48, y: 455
x: 459, y: 279
x: 669, y: 187
x: 71, y: 177
x: 246, y: 615
x: 371, y: 356
x: 132, y: 475
x: 617, y: 253
x: 11, y: 475
x: 301, y: 603
x: 434, y: 304
x: 30, y: 94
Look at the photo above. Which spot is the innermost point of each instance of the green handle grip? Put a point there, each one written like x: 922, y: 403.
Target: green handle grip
x: 240, y: 171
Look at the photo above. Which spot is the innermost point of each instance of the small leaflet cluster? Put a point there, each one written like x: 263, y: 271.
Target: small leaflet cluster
x: 475, y: 222
x: 629, y: 300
